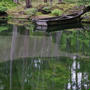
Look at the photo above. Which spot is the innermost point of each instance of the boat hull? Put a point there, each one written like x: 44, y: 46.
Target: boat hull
x: 57, y: 22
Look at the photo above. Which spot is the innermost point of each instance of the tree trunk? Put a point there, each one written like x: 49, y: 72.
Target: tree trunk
x: 16, y: 1
x: 51, y: 1
x: 60, y: 1
x: 45, y: 1
x: 28, y: 4
x: 12, y: 52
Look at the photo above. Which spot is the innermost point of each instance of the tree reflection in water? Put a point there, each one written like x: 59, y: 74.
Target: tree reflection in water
x: 37, y: 60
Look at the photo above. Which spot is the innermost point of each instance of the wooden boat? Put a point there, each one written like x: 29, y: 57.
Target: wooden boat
x: 66, y: 19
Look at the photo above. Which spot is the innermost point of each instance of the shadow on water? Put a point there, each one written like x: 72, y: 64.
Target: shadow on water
x: 62, y: 27
x: 32, y: 59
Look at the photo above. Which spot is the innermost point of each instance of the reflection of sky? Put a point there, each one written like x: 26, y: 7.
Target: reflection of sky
x: 37, y: 63
x: 79, y: 80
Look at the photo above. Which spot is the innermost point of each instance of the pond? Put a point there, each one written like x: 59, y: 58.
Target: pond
x: 35, y: 59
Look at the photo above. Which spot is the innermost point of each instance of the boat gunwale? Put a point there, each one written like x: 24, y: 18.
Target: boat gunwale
x: 59, y: 18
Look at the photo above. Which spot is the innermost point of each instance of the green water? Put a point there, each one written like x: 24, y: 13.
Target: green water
x: 34, y: 59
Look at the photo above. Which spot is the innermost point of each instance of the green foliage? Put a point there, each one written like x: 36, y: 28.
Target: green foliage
x: 31, y: 11
x: 56, y: 12
x: 51, y: 72
x: 76, y: 41
x: 7, y: 4
x: 47, y: 9
x: 3, y: 9
x: 30, y: 26
x: 2, y: 28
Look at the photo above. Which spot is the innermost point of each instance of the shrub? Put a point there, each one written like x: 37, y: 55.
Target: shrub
x: 3, y: 28
x: 3, y: 9
x: 47, y: 9
x: 8, y: 4
x: 56, y: 12
x: 31, y: 11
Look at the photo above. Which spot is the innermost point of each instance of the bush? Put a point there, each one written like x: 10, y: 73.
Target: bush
x: 3, y: 28
x: 31, y: 11
x: 47, y: 9
x: 8, y: 4
x: 56, y: 12
x: 3, y: 9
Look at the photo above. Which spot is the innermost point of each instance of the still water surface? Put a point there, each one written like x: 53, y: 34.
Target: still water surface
x: 39, y: 60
